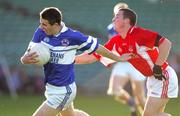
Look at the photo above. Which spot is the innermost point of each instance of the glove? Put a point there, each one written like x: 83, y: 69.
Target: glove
x: 157, y: 72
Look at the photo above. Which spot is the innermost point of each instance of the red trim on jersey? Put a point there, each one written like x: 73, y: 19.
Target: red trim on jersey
x: 165, y: 85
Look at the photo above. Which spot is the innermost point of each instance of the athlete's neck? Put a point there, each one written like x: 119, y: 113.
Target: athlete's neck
x: 123, y: 31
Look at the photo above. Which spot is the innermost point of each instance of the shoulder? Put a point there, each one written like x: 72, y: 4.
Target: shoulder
x: 115, y: 38
x: 70, y: 33
x: 39, y: 32
x: 136, y: 29
x: 141, y: 29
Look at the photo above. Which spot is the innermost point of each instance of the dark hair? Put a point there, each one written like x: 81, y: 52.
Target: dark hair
x: 52, y: 14
x: 131, y: 15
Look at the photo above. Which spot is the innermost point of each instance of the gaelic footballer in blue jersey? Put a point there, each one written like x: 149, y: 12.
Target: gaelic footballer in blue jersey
x: 63, y: 43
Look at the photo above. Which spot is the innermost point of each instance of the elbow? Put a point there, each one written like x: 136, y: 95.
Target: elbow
x: 169, y: 43
x: 166, y: 43
x: 22, y: 61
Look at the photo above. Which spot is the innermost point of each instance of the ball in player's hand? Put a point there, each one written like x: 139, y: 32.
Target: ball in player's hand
x: 43, y: 53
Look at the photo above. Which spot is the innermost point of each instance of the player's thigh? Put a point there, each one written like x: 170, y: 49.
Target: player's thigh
x: 118, y: 81
x: 120, y: 73
x: 138, y: 87
x: 116, y: 84
x: 45, y: 110
x: 154, y: 105
x: 69, y: 111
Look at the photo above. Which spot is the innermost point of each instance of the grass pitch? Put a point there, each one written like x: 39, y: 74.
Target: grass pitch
x: 25, y: 105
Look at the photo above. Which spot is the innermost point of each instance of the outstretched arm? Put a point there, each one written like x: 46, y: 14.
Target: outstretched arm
x: 85, y: 58
x: 106, y: 53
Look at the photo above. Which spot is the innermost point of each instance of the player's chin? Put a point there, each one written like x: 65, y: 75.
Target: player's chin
x: 47, y: 33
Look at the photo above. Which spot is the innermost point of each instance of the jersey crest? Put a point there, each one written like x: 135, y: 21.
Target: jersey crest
x: 65, y: 42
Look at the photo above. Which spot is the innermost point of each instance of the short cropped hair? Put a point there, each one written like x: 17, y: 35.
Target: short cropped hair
x: 52, y: 14
x: 131, y: 15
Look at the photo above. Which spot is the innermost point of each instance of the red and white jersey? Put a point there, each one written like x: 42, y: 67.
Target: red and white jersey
x: 141, y: 42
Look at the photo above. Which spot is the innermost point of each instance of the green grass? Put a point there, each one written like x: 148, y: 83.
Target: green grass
x: 25, y: 105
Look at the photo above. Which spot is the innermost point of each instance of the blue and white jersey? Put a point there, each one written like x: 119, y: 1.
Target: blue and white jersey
x: 111, y: 30
x: 59, y: 71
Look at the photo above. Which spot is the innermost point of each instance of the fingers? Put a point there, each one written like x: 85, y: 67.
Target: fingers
x: 33, y: 61
x: 33, y: 55
x: 133, y: 55
x: 127, y: 56
x: 30, y: 58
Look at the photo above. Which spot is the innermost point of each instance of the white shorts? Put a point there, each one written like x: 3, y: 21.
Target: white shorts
x: 163, y: 89
x: 121, y: 71
x: 125, y: 69
x: 60, y: 97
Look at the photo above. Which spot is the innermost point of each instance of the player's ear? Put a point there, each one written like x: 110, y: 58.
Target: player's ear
x: 127, y: 21
x: 56, y: 24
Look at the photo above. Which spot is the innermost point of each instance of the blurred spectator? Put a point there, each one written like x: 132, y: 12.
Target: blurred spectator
x: 26, y: 82
x: 38, y: 83
x: 15, y: 81
x: 174, y: 61
x: 21, y: 81
x: 3, y: 84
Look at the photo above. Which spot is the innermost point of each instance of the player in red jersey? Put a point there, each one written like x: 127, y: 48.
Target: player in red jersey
x: 151, y: 51
x: 120, y: 77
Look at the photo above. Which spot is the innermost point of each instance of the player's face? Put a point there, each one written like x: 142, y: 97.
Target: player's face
x: 118, y: 21
x: 46, y: 27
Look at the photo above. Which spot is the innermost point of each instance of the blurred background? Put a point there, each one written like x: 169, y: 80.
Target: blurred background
x: 20, y: 18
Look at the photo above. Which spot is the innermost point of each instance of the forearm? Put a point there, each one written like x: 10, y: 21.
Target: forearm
x: 85, y: 59
x: 106, y: 53
x: 164, y: 49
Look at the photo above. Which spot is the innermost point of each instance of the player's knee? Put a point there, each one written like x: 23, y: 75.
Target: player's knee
x: 115, y: 92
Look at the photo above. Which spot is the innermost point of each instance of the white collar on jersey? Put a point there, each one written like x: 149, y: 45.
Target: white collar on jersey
x: 64, y: 28
x: 132, y: 28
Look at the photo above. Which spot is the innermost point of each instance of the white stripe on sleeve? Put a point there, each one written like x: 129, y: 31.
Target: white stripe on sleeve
x: 93, y: 46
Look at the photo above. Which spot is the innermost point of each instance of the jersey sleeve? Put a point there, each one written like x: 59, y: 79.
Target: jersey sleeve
x: 86, y: 43
x: 38, y: 35
x: 109, y: 45
x: 149, y: 38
